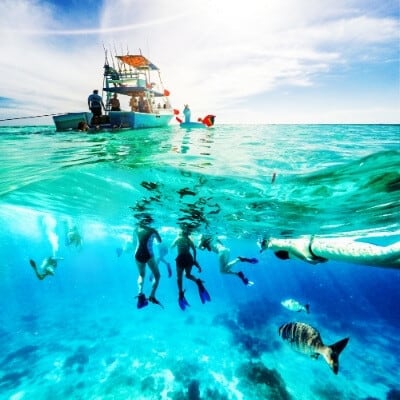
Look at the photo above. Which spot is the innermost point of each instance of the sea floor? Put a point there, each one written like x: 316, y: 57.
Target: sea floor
x: 111, y: 350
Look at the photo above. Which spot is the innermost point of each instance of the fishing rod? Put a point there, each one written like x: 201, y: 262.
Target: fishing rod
x: 33, y: 116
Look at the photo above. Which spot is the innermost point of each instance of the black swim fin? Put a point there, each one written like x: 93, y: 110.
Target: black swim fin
x: 249, y: 260
x: 240, y: 274
x: 204, y: 295
x: 142, y: 301
x: 153, y: 300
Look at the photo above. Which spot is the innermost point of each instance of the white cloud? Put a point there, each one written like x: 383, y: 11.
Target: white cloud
x: 214, y: 55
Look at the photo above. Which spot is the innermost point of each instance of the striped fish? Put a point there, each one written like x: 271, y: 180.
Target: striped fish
x: 307, y: 340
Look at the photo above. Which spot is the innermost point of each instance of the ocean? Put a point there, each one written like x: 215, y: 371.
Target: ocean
x: 79, y: 334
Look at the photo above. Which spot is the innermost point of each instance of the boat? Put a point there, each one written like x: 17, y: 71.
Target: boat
x: 130, y: 75
x: 71, y: 121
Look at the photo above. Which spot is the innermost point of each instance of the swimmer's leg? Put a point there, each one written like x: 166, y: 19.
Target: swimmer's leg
x: 34, y: 266
x: 156, y: 274
x: 142, y: 272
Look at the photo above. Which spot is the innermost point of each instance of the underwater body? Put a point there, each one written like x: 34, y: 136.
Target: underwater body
x: 79, y: 334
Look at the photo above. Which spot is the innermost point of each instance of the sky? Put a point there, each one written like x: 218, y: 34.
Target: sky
x: 254, y: 61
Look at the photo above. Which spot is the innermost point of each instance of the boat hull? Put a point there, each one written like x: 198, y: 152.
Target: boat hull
x: 137, y: 120
x: 70, y: 121
x: 115, y: 120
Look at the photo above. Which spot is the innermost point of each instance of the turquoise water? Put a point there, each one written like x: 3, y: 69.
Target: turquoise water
x: 79, y: 335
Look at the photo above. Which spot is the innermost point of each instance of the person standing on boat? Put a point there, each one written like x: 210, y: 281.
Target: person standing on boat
x: 134, y: 103
x: 141, y: 104
x: 114, y: 103
x: 95, y: 103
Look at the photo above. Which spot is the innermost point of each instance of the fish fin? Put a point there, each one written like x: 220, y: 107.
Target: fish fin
x: 337, y: 348
x: 307, y: 307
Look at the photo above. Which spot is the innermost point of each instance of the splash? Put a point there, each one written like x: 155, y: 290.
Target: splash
x: 50, y: 225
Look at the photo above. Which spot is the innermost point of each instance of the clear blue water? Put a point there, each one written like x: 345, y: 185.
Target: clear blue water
x: 79, y: 335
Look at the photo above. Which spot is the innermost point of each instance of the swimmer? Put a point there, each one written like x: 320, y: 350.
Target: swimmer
x: 144, y: 255
x: 316, y: 250
x: 212, y: 243
x: 46, y: 268
x: 73, y: 237
x: 162, y: 252
x: 184, y: 263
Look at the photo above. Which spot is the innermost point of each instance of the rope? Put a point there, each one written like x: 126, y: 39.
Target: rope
x: 33, y: 116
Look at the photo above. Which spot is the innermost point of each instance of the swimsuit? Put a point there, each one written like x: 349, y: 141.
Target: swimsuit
x: 184, y: 260
x: 144, y: 251
x: 142, y: 254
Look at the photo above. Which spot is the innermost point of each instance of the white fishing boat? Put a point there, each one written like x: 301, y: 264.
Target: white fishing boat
x: 130, y: 75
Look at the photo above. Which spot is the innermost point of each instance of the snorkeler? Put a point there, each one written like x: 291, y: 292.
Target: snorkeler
x: 316, y: 250
x: 72, y: 236
x: 144, y: 255
x: 184, y: 263
x: 46, y: 268
x: 162, y: 252
x: 212, y: 243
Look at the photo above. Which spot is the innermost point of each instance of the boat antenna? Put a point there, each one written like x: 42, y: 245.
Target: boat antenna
x: 105, y: 55
x: 119, y: 62
x: 123, y: 64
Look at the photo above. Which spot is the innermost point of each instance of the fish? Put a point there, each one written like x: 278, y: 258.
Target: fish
x: 307, y: 340
x: 294, y: 305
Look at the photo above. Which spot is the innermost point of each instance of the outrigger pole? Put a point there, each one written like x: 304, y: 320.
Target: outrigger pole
x: 33, y: 116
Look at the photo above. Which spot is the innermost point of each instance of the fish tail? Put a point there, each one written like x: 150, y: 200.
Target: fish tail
x: 336, y: 349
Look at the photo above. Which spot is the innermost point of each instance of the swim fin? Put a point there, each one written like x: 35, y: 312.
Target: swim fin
x: 142, y: 301
x: 153, y: 300
x: 182, y: 301
x: 244, y: 279
x: 119, y: 251
x: 204, y: 295
x: 249, y: 260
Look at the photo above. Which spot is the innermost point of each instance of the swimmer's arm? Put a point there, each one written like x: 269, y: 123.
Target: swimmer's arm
x: 193, y: 247
x: 158, y: 237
